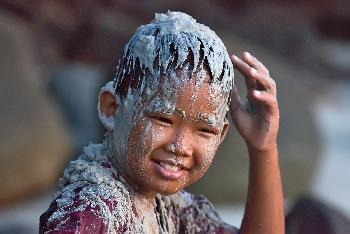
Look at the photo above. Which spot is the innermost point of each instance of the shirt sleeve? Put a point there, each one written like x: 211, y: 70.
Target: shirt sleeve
x: 199, y: 216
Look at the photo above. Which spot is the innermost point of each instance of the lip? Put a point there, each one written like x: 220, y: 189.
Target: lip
x: 173, y: 161
x: 168, y: 173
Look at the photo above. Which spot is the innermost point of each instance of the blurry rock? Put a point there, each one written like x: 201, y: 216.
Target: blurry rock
x: 332, y: 57
x: 335, y: 22
x: 76, y: 30
x: 309, y: 216
x: 14, y: 229
x: 34, y: 142
x: 76, y: 86
x: 298, y: 140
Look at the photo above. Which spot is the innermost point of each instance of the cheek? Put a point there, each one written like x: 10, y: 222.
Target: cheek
x: 206, y: 154
x: 146, y: 139
x: 139, y: 147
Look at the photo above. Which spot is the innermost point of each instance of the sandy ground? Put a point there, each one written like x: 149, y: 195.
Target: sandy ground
x: 330, y: 183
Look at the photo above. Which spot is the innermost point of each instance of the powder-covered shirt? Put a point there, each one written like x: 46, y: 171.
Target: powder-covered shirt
x: 94, y: 198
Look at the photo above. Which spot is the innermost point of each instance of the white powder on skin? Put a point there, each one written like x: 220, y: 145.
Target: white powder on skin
x: 153, y: 46
x: 99, y: 184
x: 152, y: 49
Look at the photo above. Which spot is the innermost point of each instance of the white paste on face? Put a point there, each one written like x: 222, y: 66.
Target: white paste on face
x: 169, y: 50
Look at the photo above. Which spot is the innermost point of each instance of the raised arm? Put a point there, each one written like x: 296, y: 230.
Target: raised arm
x: 257, y: 120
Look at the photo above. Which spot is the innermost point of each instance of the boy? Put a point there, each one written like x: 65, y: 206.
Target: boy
x: 165, y: 117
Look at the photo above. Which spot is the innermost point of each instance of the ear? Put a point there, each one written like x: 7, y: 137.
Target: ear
x: 224, y: 130
x: 107, y: 106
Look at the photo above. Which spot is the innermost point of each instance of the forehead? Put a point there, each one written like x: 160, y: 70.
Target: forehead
x: 193, y: 96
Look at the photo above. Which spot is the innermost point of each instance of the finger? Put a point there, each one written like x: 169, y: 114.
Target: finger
x: 269, y: 101
x: 254, y: 62
x: 245, y: 70
x: 265, y: 83
x: 235, y: 99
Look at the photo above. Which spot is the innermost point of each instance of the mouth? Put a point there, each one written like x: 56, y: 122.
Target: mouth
x: 169, y: 170
x: 169, y: 166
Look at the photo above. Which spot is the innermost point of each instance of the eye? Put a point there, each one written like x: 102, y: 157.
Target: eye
x: 208, y: 131
x: 162, y: 119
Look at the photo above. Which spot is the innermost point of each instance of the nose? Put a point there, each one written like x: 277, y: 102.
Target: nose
x: 181, y: 144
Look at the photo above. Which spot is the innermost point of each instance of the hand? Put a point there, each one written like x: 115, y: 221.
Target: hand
x: 257, y: 119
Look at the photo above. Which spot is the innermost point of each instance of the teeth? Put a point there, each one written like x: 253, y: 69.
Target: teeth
x: 170, y: 167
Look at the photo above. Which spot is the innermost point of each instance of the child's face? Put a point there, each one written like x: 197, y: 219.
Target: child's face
x: 167, y: 152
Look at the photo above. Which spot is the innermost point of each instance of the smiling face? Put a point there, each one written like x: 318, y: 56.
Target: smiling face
x: 169, y: 113
x: 168, y: 150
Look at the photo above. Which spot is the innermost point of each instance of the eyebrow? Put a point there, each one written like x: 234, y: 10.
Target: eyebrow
x: 159, y: 109
x: 209, y: 119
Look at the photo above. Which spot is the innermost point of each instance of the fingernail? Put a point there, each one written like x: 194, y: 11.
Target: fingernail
x: 234, y: 57
x: 253, y: 71
x: 257, y: 92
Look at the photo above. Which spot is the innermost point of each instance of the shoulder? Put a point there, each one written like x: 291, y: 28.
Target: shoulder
x: 71, y: 213
x: 89, y: 208
x: 92, y: 198
x: 197, y: 214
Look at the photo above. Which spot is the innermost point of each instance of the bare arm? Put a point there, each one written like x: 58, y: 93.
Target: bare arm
x: 257, y: 120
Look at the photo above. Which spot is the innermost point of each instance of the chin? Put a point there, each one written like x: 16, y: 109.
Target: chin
x: 168, y: 191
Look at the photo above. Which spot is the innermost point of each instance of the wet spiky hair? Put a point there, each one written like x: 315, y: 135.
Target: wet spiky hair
x: 169, y: 42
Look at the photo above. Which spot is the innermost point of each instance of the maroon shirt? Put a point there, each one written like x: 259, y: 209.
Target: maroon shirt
x: 95, y: 198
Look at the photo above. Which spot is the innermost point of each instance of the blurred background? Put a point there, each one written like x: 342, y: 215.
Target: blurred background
x: 56, y: 54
